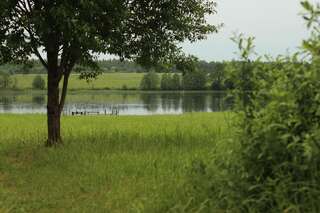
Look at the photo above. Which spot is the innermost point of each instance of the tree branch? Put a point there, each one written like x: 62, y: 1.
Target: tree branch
x: 64, y: 91
x: 43, y: 62
x: 35, y: 49
x: 66, y: 68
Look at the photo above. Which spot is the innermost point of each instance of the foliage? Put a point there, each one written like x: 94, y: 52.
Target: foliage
x: 176, y: 82
x: 217, y: 76
x: 69, y: 26
x: 186, y: 64
x: 170, y: 82
x: 195, y: 80
x: 150, y: 81
x: 165, y: 81
x: 38, y: 83
x: 5, y: 80
x: 274, y: 159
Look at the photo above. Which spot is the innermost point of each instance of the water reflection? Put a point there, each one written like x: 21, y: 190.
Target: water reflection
x: 171, y: 101
x: 150, y: 101
x: 38, y: 100
x: 194, y: 103
x: 218, y: 102
x: 6, y: 102
x: 127, y: 103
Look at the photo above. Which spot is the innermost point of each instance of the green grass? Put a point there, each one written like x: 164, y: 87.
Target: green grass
x: 104, y: 81
x: 107, y: 164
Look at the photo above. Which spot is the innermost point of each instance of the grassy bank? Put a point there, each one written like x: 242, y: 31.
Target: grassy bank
x: 108, y: 164
x: 104, y: 81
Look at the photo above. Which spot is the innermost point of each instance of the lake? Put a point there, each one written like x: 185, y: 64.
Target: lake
x: 123, y: 102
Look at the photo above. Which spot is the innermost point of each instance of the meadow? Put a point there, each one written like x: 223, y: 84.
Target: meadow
x: 107, y: 164
x: 104, y: 81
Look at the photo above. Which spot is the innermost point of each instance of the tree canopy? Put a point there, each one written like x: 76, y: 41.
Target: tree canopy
x: 77, y: 30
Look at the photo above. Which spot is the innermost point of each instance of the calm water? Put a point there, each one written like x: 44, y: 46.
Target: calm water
x: 126, y: 103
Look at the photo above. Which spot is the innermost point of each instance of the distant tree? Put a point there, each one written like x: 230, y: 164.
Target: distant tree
x: 124, y: 87
x: 165, y: 81
x: 73, y: 32
x: 170, y: 82
x: 5, y: 80
x: 217, y: 75
x: 187, y: 64
x: 217, y: 86
x: 27, y: 67
x: 38, y: 83
x: 176, y: 82
x: 150, y: 81
x: 194, y: 80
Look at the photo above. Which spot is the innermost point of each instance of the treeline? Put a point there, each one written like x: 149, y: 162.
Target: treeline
x: 201, y: 75
x: 6, y: 81
x: 168, y: 81
x: 217, y: 76
x: 35, y: 67
x: 106, y: 66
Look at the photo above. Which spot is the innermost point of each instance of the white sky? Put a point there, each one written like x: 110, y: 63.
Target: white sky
x: 276, y: 24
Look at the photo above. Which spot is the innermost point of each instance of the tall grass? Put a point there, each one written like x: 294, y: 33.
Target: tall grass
x: 107, y: 164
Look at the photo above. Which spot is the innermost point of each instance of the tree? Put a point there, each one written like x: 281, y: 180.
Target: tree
x: 170, y: 82
x: 176, y: 82
x: 38, y: 83
x: 70, y: 32
x: 5, y: 80
x: 195, y: 80
x: 150, y: 81
x: 217, y: 75
x: 165, y: 81
x: 186, y: 64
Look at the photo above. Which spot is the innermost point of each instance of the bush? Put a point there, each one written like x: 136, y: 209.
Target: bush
x: 176, y: 82
x: 150, y: 81
x: 170, y: 82
x: 195, y: 80
x: 272, y: 161
x: 165, y: 81
x: 5, y: 80
x: 217, y: 86
x: 38, y: 83
x: 124, y: 87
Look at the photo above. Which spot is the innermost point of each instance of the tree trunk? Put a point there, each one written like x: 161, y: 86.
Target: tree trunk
x: 53, y: 110
x: 56, y: 100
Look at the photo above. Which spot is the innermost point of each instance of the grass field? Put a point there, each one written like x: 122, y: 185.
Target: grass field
x: 104, y: 81
x: 107, y: 164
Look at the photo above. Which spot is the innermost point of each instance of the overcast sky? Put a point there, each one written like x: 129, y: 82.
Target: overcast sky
x: 276, y: 24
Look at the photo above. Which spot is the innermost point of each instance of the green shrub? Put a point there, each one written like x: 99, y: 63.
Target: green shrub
x: 195, y: 80
x: 165, y: 81
x: 176, y: 82
x: 5, y: 80
x: 150, y: 81
x: 38, y: 83
x: 170, y: 82
x: 124, y: 87
x: 217, y: 86
x: 272, y: 161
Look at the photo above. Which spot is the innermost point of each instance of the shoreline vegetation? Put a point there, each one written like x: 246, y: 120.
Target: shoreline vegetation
x: 106, y: 91
x: 104, y: 82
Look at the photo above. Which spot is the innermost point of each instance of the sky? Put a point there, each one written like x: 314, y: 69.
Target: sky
x: 276, y: 25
